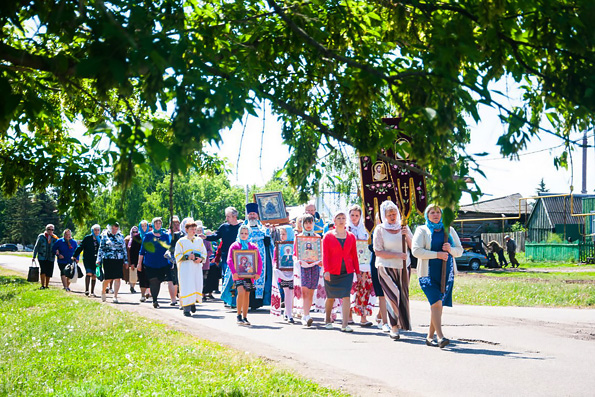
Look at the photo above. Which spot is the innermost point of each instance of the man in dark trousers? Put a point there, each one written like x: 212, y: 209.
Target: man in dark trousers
x: 511, y: 249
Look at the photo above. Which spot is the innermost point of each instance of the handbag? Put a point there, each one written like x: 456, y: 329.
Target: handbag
x: 99, y: 273
x: 132, y: 275
x: 79, y: 271
x: 33, y: 275
x: 69, y: 270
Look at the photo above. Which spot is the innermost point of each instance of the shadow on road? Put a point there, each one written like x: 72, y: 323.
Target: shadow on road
x: 459, y: 348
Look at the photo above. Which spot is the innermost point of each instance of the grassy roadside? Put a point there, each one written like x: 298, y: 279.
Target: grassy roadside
x: 485, y: 288
x: 23, y: 254
x: 53, y: 343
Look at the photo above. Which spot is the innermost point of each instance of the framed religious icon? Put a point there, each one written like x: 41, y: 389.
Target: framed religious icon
x: 364, y: 255
x: 246, y: 262
x: 284, y: 255
x: 271, y: 208
x: 309, y: 248
x: 380, y: 172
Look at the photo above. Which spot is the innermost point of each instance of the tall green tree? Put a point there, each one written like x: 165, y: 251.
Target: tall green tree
x: 541, y: 188
x: 329, y: 69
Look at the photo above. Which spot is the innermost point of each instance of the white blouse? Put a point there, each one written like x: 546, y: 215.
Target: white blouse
x: 385, y: 241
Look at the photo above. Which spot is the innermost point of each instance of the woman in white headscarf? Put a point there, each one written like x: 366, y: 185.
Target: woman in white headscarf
x: 392, y: 262
x: 360, y: 301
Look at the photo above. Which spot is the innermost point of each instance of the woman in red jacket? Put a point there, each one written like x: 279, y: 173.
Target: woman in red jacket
x: 339, y: 261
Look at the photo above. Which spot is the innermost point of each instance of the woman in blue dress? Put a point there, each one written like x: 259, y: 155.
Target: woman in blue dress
x: 431, y: 248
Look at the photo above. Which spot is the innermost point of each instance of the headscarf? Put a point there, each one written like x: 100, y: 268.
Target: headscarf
x: 337, y: 213
x: 183, y: 224
x: 243, y: 242
x: 359, y: 230
x: 386, y: 207
x: 435, y: 227
x: 133, y: 232
x: 290, y: 233
x: 98, y: 237
x: 140, y: 229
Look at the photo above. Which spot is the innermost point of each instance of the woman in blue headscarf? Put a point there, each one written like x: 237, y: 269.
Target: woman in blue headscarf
x: 432, y: 248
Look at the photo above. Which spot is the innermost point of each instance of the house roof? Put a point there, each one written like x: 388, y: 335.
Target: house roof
x: 558, y: 209
x: 508, y: 205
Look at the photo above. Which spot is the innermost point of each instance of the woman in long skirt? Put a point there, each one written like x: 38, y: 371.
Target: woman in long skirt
x: 392, y: 262
x: 190, y: 253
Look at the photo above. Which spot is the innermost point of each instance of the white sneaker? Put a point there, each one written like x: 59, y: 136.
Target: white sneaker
x: 304, y: 322
x: 143, y: 299
x: 385, y: 328
x: 115, y: 300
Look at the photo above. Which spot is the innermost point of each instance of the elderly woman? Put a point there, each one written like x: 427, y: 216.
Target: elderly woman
x: 392, y: 263
x: 65, y: 249
x: 432, y: 248
x: 339, y: 261
x: 89, y: 247
x: 112, y: 255
x: 44, y: 253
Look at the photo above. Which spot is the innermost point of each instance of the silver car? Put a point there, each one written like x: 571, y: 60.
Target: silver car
x: 471, y: 259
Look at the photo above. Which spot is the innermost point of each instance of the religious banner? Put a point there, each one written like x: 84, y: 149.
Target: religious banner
x: 381, y: 180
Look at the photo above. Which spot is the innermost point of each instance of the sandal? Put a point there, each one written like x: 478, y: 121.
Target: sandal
x: 443, y: 342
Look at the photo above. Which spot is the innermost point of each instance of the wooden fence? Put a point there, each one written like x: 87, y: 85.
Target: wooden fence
x: 586, y: 252
x: 552, y: 252
x: 518, y: 237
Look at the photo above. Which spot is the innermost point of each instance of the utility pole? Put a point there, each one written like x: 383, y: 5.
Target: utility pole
x: 584, y: 189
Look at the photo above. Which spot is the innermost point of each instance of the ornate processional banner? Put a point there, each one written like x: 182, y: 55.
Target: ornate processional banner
x: 382, y: 181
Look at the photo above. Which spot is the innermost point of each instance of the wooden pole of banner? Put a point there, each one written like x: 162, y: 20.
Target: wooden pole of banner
x: 443, y: 279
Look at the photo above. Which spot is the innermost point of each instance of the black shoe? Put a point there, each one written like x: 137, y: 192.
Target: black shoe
x: 291, y: 321
x: 132, y: 290
x: 86, y: 293
x: 173, y: 303
x: 155, y: 305
x: 240, y: 321
x: 245, y: 321
x: 431, y: 342
x: 443, y: 342
x: 187, y: 314
x: 193, y: 308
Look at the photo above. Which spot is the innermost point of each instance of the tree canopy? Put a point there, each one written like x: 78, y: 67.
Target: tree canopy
x: 329, y: 69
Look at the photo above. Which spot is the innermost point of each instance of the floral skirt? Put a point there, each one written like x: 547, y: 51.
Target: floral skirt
x: 363, y: 290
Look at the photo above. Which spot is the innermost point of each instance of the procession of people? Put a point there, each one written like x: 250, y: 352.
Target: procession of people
x: 336, y: 269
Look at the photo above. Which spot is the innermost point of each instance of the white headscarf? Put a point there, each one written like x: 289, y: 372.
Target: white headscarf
x: 183, y: 224
x: 359, y: 231
x: 386, y: 207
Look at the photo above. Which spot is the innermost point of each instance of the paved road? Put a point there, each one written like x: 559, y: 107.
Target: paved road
x: 494, y: 351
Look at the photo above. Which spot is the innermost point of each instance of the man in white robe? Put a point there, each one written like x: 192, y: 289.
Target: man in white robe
x: 190, y: 253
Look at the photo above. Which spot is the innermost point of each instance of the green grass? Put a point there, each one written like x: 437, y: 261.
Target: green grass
x: 56, y: 344
x: 520, y: 289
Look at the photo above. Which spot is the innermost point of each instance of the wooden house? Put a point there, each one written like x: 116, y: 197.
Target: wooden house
x: 477, y: 218
x: 554, y: 215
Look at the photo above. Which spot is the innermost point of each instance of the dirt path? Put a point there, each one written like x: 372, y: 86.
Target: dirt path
x: 494, y: 351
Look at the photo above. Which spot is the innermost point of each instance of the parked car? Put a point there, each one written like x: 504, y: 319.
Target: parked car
x: 8, y: 248
x: 472, y: 260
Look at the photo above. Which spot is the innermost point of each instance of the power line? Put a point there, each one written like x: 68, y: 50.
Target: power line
x: 576, y: 142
